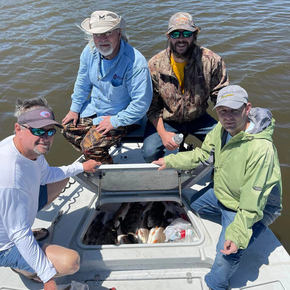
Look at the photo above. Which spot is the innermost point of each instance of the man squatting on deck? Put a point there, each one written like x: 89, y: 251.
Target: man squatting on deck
x: 247, y: 191
x: 184, y: 76
x: 27, y: 184
x: 113, y: 90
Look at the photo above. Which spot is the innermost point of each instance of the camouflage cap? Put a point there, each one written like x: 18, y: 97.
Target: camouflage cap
x: 182, y: 20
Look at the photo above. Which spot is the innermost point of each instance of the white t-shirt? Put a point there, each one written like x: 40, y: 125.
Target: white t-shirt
x: 20, y: 179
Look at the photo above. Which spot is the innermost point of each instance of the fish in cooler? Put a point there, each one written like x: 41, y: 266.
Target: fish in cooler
x: 123, y: 238
x: 132, y: 220
x: 155, y: 214
x: 94, y: 229
x: 121, y: 213
x: 134, y: 223
x: 143, y: 231
x: 156, y: 234
x: 108, y: 234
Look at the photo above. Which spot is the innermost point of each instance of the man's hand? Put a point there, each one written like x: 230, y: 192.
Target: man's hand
x: 105, y: 125
x: 160, y: 162
x: 229, y: 248
x: 91, y: 166
x: 70, y: 116
x: 168, y: 142
x: 50, y: 285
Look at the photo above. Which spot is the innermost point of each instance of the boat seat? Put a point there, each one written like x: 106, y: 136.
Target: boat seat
x: 137, y: 135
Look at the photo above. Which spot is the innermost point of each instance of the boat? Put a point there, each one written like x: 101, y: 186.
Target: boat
x: 173, y: 264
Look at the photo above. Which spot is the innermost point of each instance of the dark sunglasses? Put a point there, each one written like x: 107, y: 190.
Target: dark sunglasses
x: 176, y: 34
x: 40, y: 132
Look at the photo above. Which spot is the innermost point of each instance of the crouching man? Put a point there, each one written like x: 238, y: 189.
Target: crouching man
x: 247, y: 191
x: 27, y: 184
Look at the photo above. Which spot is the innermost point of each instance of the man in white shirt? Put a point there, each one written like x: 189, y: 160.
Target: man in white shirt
x: 27, y: 184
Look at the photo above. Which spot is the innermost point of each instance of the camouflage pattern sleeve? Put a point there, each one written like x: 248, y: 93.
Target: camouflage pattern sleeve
x: 156, y: 109
x: 219, y: 77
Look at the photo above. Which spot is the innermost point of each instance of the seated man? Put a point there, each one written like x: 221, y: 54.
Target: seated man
x: 116, y: 78
x: 27, y: 184
x: 184, y: 76
x: 247, y: 191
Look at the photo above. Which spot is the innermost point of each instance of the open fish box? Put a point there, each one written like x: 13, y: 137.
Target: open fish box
x: 141, y: 219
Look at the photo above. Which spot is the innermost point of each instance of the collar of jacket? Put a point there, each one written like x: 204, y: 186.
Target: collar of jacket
x: 167, y: 68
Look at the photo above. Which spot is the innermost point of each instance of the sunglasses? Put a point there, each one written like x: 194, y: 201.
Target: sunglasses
x: 40, y: 132
x: 107, y: 34
x: 176, y: 34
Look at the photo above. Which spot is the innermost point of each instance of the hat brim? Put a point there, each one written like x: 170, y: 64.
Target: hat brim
x: 184, y: 27
x: 229, y: 104
x: 42, y: 123
x: 86, y: 26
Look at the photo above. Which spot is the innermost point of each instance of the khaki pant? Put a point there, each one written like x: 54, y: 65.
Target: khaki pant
x: 85, y: 138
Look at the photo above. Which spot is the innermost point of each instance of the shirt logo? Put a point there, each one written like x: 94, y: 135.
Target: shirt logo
x: 116, y: 77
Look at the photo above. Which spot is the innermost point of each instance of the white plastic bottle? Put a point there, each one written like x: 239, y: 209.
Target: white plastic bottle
x: 177, y: 138
x: 179, y: 236
x: 189, y: 234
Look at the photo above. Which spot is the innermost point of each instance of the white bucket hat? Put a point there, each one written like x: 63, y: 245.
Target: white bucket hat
x: 103, y: 21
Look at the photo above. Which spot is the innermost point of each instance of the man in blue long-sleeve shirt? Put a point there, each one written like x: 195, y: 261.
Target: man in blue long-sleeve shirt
x: 113, y: 90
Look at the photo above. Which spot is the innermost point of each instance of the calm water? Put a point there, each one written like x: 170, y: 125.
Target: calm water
x: 40, y: 47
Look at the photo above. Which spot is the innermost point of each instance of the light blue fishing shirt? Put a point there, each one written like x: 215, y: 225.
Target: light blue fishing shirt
x: 123, y: 91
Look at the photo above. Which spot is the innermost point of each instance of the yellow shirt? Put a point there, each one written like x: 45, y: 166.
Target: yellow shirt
x: 178, y: 68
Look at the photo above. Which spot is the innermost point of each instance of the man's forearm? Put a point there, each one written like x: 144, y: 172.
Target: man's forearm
x: 159, y: 125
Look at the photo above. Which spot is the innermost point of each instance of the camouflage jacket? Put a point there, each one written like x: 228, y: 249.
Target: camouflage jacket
x: 209, y: 76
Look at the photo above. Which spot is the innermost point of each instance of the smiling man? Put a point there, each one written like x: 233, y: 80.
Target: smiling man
x: 27, y: 184
x: 113, y: 90
x: 247, y: 192
x: 184, y: 77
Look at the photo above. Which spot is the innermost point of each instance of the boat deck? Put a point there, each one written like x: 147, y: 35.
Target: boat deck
x: 265, y: 266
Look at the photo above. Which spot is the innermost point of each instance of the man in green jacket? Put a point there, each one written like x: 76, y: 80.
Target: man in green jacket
x: 247, y: 191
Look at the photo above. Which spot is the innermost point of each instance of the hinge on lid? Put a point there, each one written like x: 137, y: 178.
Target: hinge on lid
x: 179, y: 187
x: 189, y: 278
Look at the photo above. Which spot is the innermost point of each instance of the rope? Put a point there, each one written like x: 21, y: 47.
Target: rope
x: 68, y: 186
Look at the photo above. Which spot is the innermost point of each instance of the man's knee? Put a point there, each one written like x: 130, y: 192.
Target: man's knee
x: 74, y: 263
x: 149, y: 154
x: 66, y: 261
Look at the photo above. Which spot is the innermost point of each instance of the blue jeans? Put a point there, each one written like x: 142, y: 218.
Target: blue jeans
x: 11, y: 257
x: 153, y: 148
x: 224, y: 266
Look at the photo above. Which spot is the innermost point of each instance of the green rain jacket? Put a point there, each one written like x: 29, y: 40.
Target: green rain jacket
x: 247, y: 177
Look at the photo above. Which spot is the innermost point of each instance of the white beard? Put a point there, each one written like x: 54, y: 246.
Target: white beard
x: 106, y: 52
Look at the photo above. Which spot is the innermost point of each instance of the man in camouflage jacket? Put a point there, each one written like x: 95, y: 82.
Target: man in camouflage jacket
x: 184, y: 76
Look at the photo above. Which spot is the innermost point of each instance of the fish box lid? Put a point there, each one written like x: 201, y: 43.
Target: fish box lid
x: 139, y: 179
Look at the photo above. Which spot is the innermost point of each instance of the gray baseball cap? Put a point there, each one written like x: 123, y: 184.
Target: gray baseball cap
x: 232, y: 96
x: 38, y: 118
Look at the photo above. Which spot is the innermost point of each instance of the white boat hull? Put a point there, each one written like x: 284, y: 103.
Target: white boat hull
x: 265, y: 266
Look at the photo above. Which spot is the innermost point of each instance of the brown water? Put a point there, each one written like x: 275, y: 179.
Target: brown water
x: 40, y: 47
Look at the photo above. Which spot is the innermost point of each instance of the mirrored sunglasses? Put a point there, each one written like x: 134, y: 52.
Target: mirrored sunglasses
x: 40, y: 132
x: 185, y: 34
x: 107, y: 34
